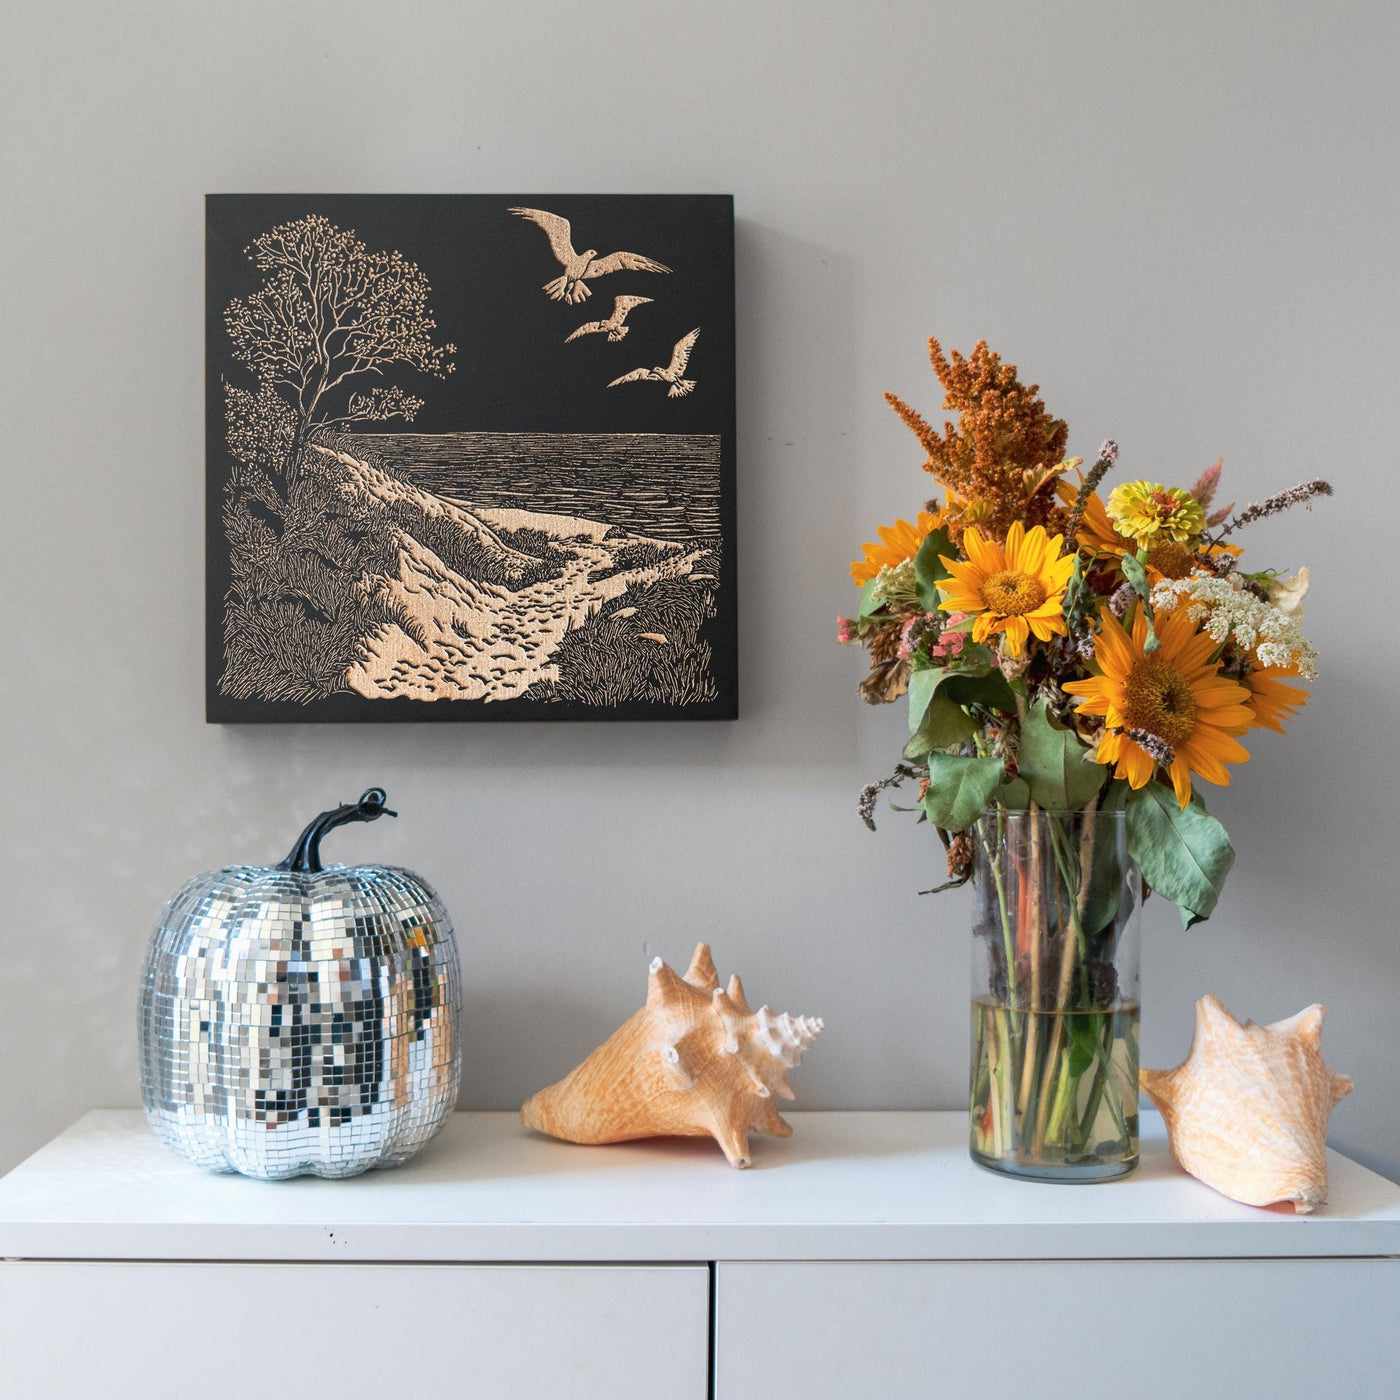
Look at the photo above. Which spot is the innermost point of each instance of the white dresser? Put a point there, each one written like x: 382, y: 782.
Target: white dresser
x: 864, y: 1257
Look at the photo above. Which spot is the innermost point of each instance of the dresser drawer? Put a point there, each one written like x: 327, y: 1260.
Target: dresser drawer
x: 1217, y: 1329
x: 70, y: 1331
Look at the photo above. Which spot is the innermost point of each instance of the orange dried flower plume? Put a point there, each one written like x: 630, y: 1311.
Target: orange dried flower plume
x: 1003, y: 459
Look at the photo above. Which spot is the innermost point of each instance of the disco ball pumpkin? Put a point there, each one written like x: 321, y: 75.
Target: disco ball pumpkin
x: 296, y: 1019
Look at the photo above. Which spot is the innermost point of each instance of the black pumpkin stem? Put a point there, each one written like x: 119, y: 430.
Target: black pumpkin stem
x: 305, y: 857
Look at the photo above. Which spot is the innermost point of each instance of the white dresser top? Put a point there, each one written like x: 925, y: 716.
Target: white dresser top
x: 845, y: 1186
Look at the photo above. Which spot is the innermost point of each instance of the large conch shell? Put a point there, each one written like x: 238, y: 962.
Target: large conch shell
x: 695, y: 1060
x: 1246, y: 1111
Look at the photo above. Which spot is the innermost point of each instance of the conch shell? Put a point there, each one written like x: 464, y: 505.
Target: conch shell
x: 695, y: 1060
x: 1246, y: 1111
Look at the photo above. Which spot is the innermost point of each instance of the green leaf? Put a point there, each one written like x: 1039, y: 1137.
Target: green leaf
x: 1084, y: 1034
x: 1136, y: 574
x: 1106, y: 891
x: 960, y: 789
x: 944, y: 724
x: 869, y: 603
x: 937, y: 695
x: 1183, y: 852
x: 1115, y: 796
x: 1077, y: 595
x: 929, y: 570
x: 974, y: 658
x: 1015, y: 796
x: 1056, y: 764
x: 989, y: 689
x: 922, y: 685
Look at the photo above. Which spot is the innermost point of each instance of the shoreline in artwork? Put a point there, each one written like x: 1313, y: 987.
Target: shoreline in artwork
x: 660, y: 484
x: 376, y: 587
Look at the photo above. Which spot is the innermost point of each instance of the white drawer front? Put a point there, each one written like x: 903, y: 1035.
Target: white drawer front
x: 1176, y: 1329
x: 71, y: 1331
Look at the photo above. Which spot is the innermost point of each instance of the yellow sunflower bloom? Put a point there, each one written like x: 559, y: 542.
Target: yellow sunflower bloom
x: 1169, y: 708
x: 1016, y: 589
x: 899, y: 542
x: 1097, y: 530
x: 1096, y: 533
x: 1270, y: 701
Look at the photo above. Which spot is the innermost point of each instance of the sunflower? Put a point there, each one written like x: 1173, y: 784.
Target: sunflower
x: 899, y: 542
x: 1097, y: 529
x: 1169, y: 708
x: 1270, y: 701
x: 1017, y: 588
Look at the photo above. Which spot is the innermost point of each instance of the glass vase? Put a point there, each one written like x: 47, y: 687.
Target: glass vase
x: 1054, y: 1088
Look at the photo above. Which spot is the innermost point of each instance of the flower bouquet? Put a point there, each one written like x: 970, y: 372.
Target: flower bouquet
x: 1073, y: 665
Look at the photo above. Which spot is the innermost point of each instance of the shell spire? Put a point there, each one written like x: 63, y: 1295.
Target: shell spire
x: 701, y: 972
x: 1247, y: 1110
x: 736, y: 993
x: 695, y: 1061
x: 664, y: 988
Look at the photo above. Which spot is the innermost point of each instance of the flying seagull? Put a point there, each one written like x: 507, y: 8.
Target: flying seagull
x: 669, y: 374
x: 613, y: 325
x: 571, y: 287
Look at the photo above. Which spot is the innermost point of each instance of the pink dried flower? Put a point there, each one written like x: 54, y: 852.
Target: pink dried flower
x: 949, y: 643
x: 846, y: 631
x: 1120, y: 600
x: 912, y: 633
x: 1205, y: 487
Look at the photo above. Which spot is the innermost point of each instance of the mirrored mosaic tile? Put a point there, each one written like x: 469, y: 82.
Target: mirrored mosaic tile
x: 298, y: 1023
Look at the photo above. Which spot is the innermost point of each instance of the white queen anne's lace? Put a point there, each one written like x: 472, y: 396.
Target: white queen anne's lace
x: 1228, y: 610
x: 893, y: 582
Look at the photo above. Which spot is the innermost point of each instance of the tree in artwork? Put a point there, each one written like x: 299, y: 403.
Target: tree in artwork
x: 329, y: 313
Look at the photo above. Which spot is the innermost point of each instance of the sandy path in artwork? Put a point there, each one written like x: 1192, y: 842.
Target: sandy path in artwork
x: 467, y: 640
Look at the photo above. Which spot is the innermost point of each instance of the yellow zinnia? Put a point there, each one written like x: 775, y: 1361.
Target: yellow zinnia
x: 899, y: 542
x: 1170, y: 708
x: 1016, y: 589
x: 1167, y: 558
x: 1152, y: 514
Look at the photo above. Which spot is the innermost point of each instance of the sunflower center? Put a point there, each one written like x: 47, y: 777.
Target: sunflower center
x: 1012, y: 593
x: 1172, y: 560
x: 1158, y: 698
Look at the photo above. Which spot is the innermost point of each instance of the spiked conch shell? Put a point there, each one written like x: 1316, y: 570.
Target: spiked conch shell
x: 695, y: 1060
x: 1246, y: 1111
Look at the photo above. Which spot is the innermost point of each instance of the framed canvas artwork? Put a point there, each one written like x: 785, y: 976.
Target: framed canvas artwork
x: 470, y: 457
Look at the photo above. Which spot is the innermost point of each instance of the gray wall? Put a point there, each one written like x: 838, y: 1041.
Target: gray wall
x: 1179, y: 218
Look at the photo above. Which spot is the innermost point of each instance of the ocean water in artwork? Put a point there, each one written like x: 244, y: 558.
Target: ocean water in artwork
x: 660, y: 484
